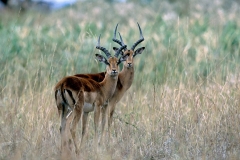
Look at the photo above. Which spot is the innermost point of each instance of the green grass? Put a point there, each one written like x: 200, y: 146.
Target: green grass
x: 183, y: 103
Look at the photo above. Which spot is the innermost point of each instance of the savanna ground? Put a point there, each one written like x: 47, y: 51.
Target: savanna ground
x: 183, y: 103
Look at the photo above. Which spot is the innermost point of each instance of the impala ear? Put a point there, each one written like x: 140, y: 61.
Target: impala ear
x: 100, y: 58
x: 115, y: 50
x: 123, y: 58
x: 138, y: 51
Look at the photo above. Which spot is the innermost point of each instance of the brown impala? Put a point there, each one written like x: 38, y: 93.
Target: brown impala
x: 125, y: 77
x: 75, y: 95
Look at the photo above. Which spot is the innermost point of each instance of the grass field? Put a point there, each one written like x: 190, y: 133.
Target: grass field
x: 183, y: 103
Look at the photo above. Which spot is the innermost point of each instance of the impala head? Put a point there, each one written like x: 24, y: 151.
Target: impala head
x: 131, y: 52
x: 111, y: 62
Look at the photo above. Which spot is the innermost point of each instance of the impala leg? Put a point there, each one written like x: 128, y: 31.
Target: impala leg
x: 60, y: 106
x: 103, y: 111
x: 96, y: 121
x: 63, y: 111
x: 78, y: 114
x: 76, y: 102
x: 60, y: 112
x: 84, y: 124
x: 67, y: 147
x: 63, y: 114
x: 110, y: 118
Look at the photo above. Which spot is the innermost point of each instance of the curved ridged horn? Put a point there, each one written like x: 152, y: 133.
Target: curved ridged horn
x: 119, y: 50
x: 121, y: 43
x: 140, y: 40
x: 114, y: 36
x: 102, y: 48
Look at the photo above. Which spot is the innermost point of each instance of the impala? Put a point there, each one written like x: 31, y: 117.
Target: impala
x: 75, y: 95
x: 125, y: 77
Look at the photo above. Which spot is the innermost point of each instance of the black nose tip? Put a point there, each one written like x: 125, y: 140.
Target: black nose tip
x: 114, y: 71
x: 60, y: 129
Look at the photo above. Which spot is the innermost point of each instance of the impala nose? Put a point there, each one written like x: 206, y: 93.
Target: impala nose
x: 129, y: 64
x: 114, y: 71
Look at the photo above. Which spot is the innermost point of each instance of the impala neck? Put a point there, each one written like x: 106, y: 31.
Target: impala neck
x: 126, y: 76
x: 108, y: 84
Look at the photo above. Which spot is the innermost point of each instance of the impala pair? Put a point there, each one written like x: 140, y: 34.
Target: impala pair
x: 80, y: 94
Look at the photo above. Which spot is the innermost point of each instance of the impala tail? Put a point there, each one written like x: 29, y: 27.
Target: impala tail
x: 64, y: 108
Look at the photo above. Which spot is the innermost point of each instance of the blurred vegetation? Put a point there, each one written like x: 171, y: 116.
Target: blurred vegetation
x: 195, y: 44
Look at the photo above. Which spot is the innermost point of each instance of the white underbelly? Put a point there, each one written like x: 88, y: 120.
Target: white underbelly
x: 88, y: 107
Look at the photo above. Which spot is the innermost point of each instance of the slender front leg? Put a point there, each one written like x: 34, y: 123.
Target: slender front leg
x: 103, y: 111
x: 84, y: 124
x: 96, y: 121
x: 111, y: 108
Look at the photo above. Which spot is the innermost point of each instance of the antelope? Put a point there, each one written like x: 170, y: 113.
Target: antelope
x: 125, y: 77
x: 77, y: 96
